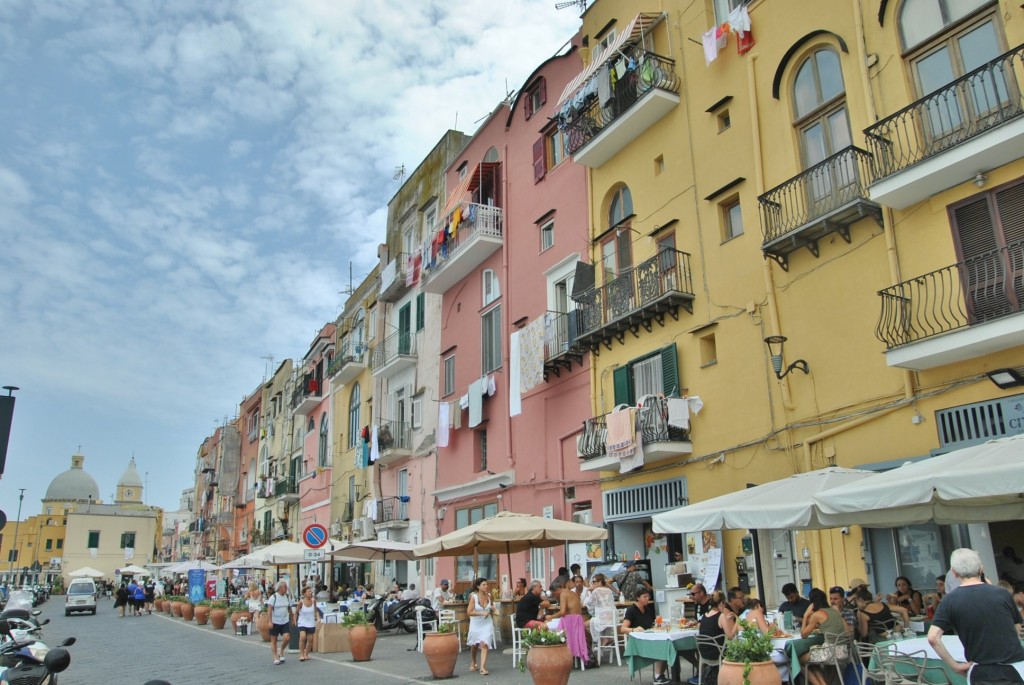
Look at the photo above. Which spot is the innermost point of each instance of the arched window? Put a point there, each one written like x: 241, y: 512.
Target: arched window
x: 616, y: 248
x: 620, y: 207
x: 321, y: 457
x: 819, y: 101
x: 353, y: 416
x: 942, y: 48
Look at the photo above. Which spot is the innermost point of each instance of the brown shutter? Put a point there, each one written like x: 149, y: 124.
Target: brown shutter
x: 538, y: 160
x: 981, y: 272
x: 1010, y: 205
x: 543, y: 87
x: 528, y: 104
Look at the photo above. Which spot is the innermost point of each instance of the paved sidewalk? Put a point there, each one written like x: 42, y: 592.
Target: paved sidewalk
x: 133, y: 650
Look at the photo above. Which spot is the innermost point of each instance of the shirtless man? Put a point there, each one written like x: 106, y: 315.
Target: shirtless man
x: 570, y: 611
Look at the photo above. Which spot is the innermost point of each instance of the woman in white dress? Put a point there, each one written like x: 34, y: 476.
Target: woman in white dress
x: 481, y: 625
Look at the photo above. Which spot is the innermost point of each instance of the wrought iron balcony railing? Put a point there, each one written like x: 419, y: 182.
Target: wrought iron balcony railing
x: 653, y: 422
x: 310, y: 386
x: 977, y: 290
x: 286, y: 486
x: 560, y: 346
x: 637, y: 296
x: 586, y: 122
x: 822, y: 199
x: 394, y: 435
x: 393, y: 509
x: 965, y: 108
x: 402, y: 344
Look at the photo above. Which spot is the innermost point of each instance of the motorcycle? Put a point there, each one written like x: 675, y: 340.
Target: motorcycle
x: 401, y: 614
x: 24, y: 619
x: 29, y: 661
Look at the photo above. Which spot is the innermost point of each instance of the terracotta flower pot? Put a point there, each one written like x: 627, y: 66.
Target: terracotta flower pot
x: 441, y: 651
x: 362, y: 638
x: 235, y: 615
x: 187, y: 611
x: 202, y: 614
x: 263, y: 625
x: 761, y: 673
x: 176, y: 609
x: 218, y: 617
x: 549, y: 664
x: 165, y: 606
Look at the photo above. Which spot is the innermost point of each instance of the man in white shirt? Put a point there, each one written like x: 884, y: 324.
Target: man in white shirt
x: 410, y: 592
x: 441, y: 595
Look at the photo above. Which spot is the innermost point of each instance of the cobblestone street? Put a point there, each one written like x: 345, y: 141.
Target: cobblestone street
x: 134, y: 650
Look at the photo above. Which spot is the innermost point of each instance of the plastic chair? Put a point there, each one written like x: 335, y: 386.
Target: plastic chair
x: 517, y: 642
x: 841, y: 645
x: 603, y: 621
x: 871, y: 659
x: 446, y: 617
x: 706, y: 643
x: 912, y: 669
x: 423, y: 627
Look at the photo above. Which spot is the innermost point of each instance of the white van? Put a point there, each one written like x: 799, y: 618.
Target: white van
x: 81, y: 596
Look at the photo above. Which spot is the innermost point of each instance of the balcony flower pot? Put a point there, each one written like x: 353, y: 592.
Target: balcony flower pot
x: 218, y: 615
x: 362, y: 634
x: 548, y: 657
x: 202, y: 611
x: 442, y: 652
x: 187, y: 611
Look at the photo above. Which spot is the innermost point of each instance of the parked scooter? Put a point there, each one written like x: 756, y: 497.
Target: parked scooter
x: 24, y: 619
x: 29, y: 661
x: 400, y: 615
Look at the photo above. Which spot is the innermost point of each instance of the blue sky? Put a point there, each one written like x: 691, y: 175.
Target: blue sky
x: 182, y: 188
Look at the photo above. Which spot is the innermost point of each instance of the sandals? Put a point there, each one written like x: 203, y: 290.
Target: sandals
x: 472, y: 667
x: 484, y: 672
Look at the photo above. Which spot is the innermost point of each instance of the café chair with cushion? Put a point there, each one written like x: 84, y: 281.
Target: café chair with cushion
x: 706, y: 645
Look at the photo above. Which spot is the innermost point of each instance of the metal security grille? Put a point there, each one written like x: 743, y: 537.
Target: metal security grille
x: 643, y: 500
x: 972, y: 424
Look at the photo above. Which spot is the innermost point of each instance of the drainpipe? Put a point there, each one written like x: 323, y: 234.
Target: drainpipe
x: 506, y: 310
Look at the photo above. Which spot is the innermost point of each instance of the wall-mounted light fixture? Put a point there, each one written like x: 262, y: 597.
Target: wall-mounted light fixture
x: 775, y: 344
x: 1006, y: 378
x: 980, y: 179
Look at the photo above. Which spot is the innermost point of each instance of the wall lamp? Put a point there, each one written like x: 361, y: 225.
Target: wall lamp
x: 775, y: 344
x: 1005, y: 378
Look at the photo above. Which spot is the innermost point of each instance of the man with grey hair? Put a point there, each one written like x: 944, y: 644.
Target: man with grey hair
x: 986, y: 620
x: 529, y: 607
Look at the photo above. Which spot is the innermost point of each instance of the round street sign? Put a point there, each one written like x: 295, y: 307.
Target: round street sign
x: 315, y: 536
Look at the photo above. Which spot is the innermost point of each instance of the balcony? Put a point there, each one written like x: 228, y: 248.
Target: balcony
x: 350, y: 361
x: 287, y: 490
x: 261, y: 537
x: 596, y: 132
x: 395, y: 354
x: 560, y: 346
x: 392, y: 512
x: 478, y: 236
x: 307, y: 395
x: 279, y: 532
x: 394, y: 440
x: 827, y: 198
x: 945, y: 138
x: 959, y: 312
x: 635, y: 299
x: 393, y: 278
x: 661, y: 441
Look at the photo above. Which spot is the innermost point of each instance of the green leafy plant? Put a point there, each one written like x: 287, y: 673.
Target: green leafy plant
x: 445, y: 628
x: 539, y: 637
x: 218, y: 604
x: 203, y: 603
x: 750, y: 646
x: 355, y: 618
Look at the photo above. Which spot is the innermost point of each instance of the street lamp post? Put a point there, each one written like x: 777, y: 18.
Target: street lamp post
x: 17, y: 524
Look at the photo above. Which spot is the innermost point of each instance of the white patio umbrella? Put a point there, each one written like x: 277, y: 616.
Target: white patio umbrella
x: 779, y: 504
x: 86, y: 572
x: 186, y: 566
x: 134, y: 570
x: 247, y: 561
x: 970, y: 485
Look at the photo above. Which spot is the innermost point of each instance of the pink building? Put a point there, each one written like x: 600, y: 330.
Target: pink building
x: 515, y: 227
x: 309, y: 470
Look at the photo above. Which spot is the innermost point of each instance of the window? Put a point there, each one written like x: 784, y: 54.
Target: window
x: 599, y: 47
x: 49, y: 510
x: 491, y: 287
x: 708, y: 350
x: 819, y: 101
x: 321, y: 455
x: 616, y: 254
x: 94, y: 539
x: 429, y: 219
x: 371, y: 324
x: 620, y: 207
x: 449, y: 374
x: 421, y: 300
x: 311, y: 426
x: 535, y: 97
x: 554, y: 148
x: 732, y: 219
x: 723, y: 7
x: 491, y: 339
x: 128, y: 540
x: 481, y: 461
x: 416, y: 408
x: 488, y: 563
x: 653, y: 374
x: 724, y: 121
x: 353, y: 416
x: 547, y: 235
x: 49, y: 544
x: 463, y: 170
x: 952, y: 54
x: 989, y: 238
x: 60, y: 543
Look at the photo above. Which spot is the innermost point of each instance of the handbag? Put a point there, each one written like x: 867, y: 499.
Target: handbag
x: 825, y: 654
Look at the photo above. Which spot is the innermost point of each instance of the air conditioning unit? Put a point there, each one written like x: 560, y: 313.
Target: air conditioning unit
x: 584, y: 517
x: 336, y: 529
x: 366, y: 530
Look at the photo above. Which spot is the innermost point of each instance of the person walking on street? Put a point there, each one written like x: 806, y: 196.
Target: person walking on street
x: 121, y: 600
x: 306, y: 619
x: 281, y: 612
x: 986, y: 620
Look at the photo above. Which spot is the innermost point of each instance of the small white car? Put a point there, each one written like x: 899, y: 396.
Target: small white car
x: 81, y: 596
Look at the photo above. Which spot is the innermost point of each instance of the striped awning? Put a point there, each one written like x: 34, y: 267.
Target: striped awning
x: 641, y: 25
x: 484, y: 171
x: 456, y: 196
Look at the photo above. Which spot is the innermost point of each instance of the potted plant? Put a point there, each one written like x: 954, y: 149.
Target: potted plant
x: 362, y: 634
x: 547, y: 656
x: 202, y: 611
x: 218, y: 614
x: 747, y: 659
x: 239, y: 610
x: 441, y: 648
x: 176, y: 606
x: 187, y: 610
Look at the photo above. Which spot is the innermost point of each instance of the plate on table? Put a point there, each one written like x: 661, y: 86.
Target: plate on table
x: 917, y: 618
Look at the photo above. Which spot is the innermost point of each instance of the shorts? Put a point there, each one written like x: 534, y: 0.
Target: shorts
x: 308, y: 630
x: 280, y: 628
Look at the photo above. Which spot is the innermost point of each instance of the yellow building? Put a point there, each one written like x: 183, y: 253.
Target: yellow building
x: 807, y: 188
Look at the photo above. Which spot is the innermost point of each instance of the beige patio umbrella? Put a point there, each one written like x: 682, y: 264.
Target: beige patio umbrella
x: 134, y: 570
x: 375, y: 550
x: 86, y: 572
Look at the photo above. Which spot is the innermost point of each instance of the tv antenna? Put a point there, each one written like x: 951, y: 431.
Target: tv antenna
x: 399, y: 173
x: 582, y: 4
x: 269, y: 366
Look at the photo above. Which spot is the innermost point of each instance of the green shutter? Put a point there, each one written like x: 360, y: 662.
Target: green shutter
x: 420, y: 314
x: 670, y: 371
x: 623, y: 386
x: 123, y: 535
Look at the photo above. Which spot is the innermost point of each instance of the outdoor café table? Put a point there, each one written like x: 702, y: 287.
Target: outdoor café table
x: 795, y: 647
x: 645, y: 647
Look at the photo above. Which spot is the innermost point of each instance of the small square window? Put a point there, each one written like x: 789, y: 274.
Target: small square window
x: 449, y: 375
x: 547, y: 235
x: 732, y: 219
x: 463, y: 170
x: 724, y: 121
x: 482, y: 462
x: 708, y: 350
x: 659, y: 165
